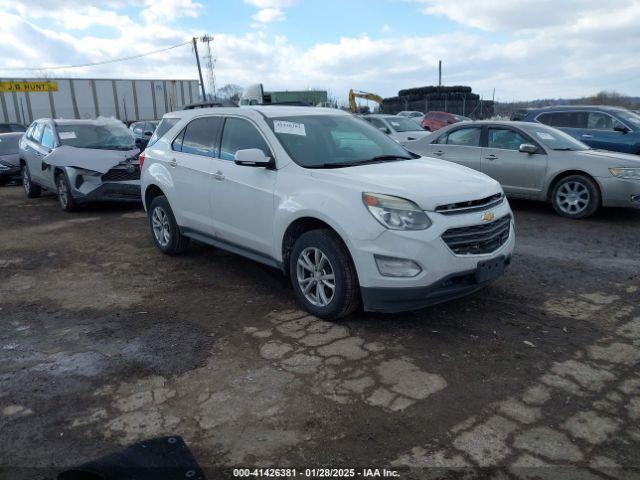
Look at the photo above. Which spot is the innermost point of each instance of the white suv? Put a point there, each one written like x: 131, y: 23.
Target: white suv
x: 350, y: 215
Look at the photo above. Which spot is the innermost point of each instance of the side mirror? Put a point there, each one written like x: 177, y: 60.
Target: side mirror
x: 148, y: 133
x: 384, y: 130
x: 528, y: 148
x: 252, y: 157
x: 621, y: 128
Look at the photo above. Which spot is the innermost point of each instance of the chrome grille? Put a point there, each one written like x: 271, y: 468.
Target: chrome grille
x: 471, y: 206
x: 478, y: 239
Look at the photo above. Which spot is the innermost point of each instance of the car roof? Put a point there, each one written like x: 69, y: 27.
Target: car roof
x: 268, y: 111
x: 578, y: 107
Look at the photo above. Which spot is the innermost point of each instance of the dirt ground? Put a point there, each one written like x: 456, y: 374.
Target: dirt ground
x: 104, y: 342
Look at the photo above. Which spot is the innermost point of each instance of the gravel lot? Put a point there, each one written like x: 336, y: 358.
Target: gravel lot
x: 105, y: 342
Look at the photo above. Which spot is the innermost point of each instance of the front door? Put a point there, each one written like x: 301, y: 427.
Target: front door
x: 242, y: 197
x: 520, y: 174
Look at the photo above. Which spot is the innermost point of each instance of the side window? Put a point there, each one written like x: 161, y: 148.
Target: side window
x: 30, y: 131
x: 47, y: 137
x: 569, y: 119
x: 601, y: 121
x: 164, y: 126
x: 546, y: 118
x: 376, y: 122
x: 240, y: 134
x: 505, y: 139
x: 176, y: 145
x: 201, y: 136
x: 137, y: 129
x: 468, y: 137
x: 37, y: 132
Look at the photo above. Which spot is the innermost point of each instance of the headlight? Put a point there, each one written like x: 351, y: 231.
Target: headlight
x: 629, y: 173
x: 396, y: 213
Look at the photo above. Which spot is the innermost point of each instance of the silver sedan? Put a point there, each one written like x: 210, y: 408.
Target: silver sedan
x: 537, y: 162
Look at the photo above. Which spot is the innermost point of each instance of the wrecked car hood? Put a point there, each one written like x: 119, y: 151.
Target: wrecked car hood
x: 88, y: 158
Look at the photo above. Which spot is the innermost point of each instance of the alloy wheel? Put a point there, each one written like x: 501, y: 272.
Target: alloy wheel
x: 573, y: 198
x: 26, y: 181
x: 316, y: 277
x: 62, y: 191
x: 160, y: 225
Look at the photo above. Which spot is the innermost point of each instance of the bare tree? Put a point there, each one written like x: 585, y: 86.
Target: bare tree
x: 231, y: 92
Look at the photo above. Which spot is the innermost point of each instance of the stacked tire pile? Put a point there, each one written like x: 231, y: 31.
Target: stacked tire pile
x: 459, y: 100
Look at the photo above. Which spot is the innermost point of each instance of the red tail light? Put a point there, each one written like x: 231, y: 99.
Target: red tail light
x: 141, y: 158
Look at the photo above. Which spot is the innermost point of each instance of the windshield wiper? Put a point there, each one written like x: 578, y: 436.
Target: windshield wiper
x: 380, y: 159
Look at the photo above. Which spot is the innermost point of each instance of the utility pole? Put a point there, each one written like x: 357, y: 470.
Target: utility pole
x: 195, y: 48
x: 439, y: 73
x: 210, y: 65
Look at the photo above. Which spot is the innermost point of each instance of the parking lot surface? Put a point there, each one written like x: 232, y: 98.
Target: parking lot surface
x: 105, y: 342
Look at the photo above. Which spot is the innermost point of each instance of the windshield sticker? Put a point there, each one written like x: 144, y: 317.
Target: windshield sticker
x: 289, y: 128
x: 545, y: 136
x: 67, y: 135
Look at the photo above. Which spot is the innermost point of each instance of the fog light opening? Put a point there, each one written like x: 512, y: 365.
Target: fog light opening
x: 397, y: 267
x: 635, y: 198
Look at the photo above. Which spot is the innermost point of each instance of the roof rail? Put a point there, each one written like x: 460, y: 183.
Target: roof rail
x: 223, y: 103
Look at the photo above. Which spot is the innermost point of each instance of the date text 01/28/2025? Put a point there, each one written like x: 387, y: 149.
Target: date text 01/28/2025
x: 315, y: 473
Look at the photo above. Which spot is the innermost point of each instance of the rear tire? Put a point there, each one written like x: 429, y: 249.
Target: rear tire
x: 576, y: 197
x: 323, y: 276
x: 66, y: 201
x: 31, y: 190
x: 164, y: 228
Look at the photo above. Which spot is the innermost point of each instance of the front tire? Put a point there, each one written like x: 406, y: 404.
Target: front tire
x: 164, y: 228
x: 576, y: 197
x: 31, y: 190
x: 323, y: 276
x: 65, y: 199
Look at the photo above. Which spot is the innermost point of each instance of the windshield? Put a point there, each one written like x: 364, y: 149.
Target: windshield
x: 105, y: 136
x: 403, y: 124
x: 630, y: 117
x: 330, y: 141
x: 557, y: 140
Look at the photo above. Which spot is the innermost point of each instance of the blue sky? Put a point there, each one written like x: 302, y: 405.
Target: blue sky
x: 524, y: 49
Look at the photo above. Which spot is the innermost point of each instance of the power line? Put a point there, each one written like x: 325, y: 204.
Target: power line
x: 93, y: 64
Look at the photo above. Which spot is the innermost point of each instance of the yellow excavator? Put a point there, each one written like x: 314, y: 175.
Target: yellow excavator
x: 353, y: 94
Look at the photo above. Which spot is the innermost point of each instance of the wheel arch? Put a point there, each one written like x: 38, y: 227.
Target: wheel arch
x: 567, y: 173
x: 299, y: 226
x: 150, y: 193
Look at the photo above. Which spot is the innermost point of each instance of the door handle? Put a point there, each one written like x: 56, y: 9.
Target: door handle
x: 587, y: 136
x: 491, y: 157
x: 173, y: 162
x: 439, y: 153
x: 218, y: 176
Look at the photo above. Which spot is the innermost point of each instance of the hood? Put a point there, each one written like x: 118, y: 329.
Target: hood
x: 10, y: 159
x: 88, y: 158
x: 426, y: 181
x: 613, y: 159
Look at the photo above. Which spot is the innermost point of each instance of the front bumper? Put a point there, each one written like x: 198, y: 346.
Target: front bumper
x: 394, y: 300
x: 620, y: 192
x: 9, y: 171
x: 445, y: 275
x: 90, y: 187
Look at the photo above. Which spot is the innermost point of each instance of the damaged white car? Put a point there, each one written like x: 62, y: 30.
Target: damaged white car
x: 81, y: 161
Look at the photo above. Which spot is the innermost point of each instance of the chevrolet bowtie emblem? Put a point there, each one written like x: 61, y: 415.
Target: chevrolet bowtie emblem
x: 488, y: 217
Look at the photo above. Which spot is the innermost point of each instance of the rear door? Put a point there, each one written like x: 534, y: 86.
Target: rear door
x: 190, y: 163
x: 520, y: 174
x: 241, y: 196
x: 461, y: 146
x: 32, y: 153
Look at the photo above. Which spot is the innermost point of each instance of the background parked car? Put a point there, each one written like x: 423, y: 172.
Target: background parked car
x: 436, y: 120
x: 401, y: 129
x: 538, y: 162
x: 9, y: 160
x: 12, y: 127
x: 413, y: 115
x: 80, y: 160
x: 143, y: 131
x: 608, y: 128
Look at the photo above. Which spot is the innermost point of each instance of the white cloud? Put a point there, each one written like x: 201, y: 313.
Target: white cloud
x: 269, y: 15
x: 386, y: 28
x: 579, y: 55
